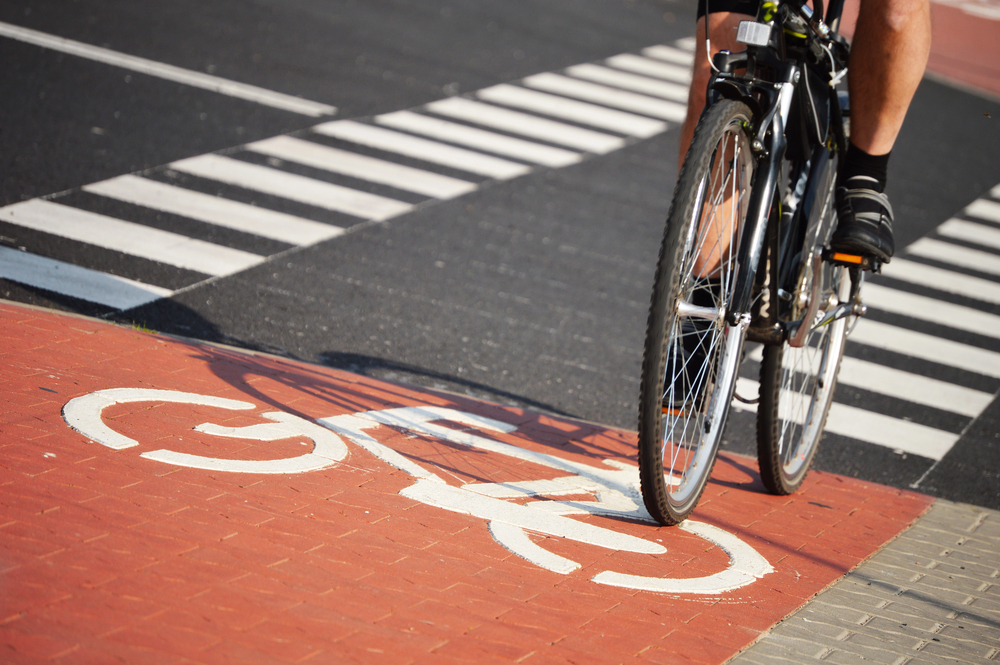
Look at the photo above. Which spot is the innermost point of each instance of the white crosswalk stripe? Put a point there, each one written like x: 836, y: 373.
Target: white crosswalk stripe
x: 76, y: 282
x: 677, y: 56
x: 946, y: 252
x: 677, y: 92
x: 290, y: 186
x: 128, y: 238
x: 872, y: 427
x: 214, y: 210
x: 418, y: 148
x: 932, y: 310
x: 650, y: 67
x: 907, y: 386
x: 572, y: 110
x: 593, y: 92
x: 945, y: 280
x: 363, y: 167
x: 971, y: 231
x: 526, y: 125
x: 480, y: 139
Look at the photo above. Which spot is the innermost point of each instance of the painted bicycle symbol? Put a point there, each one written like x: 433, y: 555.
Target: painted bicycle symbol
x: 613, y: 484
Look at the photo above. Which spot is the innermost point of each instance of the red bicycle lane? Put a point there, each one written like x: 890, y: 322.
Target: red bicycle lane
x: 411, y: 526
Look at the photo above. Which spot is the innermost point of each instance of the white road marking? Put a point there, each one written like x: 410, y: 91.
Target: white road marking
x: 980, y: 234
x: 927, y: 347
x: 214, y: 210
x: 428, y: 151
x: 363, y: 167
x: 649, y: 67
x: 904, y: 385
x: 128, y: 238
x: 479, y: 138
x: 944, y: 280
x: 956, y: 255
x: 931, y: 309
x: 75, y: 281
x: 673, y: 91
x: 526, y: 125
x: 291, y: 186
x: 913, y: 387
x: 983, y: 209
x: 169, y: 72
x: 572, y: 110
x: 593, y: 92
x: 668, y: 54
x: 871, y: 427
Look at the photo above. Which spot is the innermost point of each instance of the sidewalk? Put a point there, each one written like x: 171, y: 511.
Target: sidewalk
x: 172, y: 502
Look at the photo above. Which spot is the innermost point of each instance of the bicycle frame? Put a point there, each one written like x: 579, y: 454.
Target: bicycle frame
x: 768, y: 86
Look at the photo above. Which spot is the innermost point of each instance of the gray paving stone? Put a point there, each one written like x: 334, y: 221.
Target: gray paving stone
x: 931, y: 596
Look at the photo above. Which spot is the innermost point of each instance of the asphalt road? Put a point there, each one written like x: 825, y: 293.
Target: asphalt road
x: 529, y: 291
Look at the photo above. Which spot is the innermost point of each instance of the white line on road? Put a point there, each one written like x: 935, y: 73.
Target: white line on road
x: 600, y: 94
x: 128, y: 238
x: 418, y: 148
x: 902, y: 385
x: 927, y: 347
x: 988, y: 210
x: 619, y: 79
x: 944, y: 280
x: 912, y: 387
x: 980, y: 234
x: 479, y: 138
x: 648, y: 67
x: 363, y: 167
x: 290, y: 186
x: 931, y: 309
x: 872, y: 427
x: 957, y: 255
x: 669, y: 54
x: 526, y: 125
x: 572, y: 110
x: 214, y: 210
x: 76, y: 282
x: 169, y: 72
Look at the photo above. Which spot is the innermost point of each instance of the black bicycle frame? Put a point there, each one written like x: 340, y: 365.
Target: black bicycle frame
x: 770, y: 102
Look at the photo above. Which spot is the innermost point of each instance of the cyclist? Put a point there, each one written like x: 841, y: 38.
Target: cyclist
x: 888, y: 55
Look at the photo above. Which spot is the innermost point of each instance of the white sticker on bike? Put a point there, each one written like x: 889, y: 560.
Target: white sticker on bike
x: 613, y: 484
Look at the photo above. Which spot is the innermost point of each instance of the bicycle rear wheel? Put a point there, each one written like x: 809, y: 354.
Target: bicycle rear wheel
x: 691, y: 353
x: 796, y: 390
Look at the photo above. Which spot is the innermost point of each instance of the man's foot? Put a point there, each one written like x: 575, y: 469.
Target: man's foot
x: 864, y: 224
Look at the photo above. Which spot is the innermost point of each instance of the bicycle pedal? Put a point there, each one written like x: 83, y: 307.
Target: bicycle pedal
x: 852, y: 260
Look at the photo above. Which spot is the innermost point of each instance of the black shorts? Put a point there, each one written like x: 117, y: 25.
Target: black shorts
x: 739, y: 6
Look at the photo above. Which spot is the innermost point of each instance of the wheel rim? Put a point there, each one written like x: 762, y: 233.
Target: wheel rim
x: 808, y: 377
x: 700, y: 365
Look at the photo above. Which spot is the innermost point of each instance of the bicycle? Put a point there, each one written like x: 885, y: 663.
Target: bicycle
x: 744, y: 258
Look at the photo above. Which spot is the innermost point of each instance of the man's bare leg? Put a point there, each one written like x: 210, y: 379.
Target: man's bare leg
x: 888, y: 57
x: 720, y: 208
x: 722, y: 30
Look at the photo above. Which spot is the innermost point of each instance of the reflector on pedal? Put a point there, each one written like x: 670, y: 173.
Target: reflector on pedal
x: 672, y: 411
x: 846, y: 258
x: 753, y: 33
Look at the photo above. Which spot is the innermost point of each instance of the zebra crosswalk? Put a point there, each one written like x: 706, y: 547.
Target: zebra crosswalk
x: 336, y: 175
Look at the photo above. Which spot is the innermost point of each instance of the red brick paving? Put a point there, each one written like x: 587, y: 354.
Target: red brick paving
x: 107, y: 555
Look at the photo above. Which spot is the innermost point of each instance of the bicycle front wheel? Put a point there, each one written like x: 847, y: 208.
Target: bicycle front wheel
x: 692, y: 354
